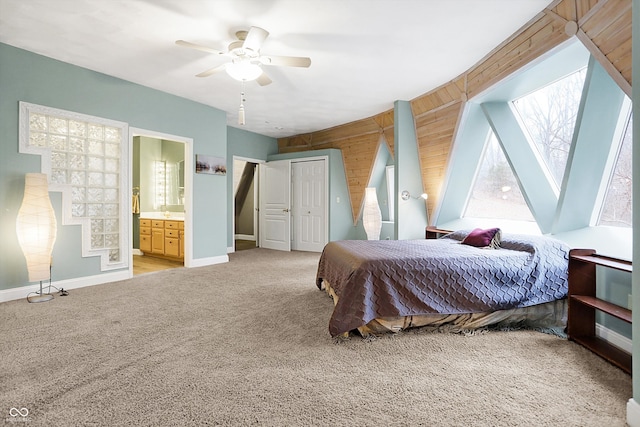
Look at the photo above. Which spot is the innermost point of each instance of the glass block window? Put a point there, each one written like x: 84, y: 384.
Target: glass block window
x: 83, y: 157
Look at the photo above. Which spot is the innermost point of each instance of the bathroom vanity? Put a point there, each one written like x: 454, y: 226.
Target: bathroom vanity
x: 162, y: 237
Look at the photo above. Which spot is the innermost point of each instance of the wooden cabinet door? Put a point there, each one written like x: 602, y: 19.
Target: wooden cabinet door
x: 145, y: 242
x: 157, y: 241
x: 171, y: 247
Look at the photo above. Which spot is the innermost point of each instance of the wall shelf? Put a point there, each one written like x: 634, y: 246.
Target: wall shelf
x: 583, y: 304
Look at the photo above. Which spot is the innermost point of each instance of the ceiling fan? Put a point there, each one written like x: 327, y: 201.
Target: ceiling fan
x: 246, y: 60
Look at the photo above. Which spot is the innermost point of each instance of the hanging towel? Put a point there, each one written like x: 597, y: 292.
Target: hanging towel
x: 135, y: 204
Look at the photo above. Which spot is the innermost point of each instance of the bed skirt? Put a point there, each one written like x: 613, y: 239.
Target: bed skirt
x: 551, y: 316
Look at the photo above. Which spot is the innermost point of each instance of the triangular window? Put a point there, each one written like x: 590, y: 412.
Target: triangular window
x: 616, y: 210
x: 496, y: 193
x: 549, y: 117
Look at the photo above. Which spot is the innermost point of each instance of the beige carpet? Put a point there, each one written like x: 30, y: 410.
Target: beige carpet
x: 246, y: 343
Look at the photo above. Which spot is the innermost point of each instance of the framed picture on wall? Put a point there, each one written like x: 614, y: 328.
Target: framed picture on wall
x: 211, y: 164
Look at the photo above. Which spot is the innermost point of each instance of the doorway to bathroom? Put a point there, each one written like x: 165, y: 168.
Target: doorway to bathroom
x: 160, y: 193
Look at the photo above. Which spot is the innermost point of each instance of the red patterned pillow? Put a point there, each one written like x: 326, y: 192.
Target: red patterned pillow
x: 483, y: 238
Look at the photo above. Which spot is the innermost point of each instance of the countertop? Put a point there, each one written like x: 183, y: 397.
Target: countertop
x: 172, y: 216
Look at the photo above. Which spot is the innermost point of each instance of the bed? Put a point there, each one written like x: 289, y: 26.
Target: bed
x: 390, y: 285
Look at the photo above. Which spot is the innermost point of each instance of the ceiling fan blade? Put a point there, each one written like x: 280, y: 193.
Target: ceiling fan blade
x: 255, y: 37
x: 213, y: 70
x: 198, y: 47
x: 263, y: 80
x: 286, y: 61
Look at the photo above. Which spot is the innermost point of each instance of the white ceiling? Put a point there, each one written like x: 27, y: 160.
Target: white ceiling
x: 365, y: 53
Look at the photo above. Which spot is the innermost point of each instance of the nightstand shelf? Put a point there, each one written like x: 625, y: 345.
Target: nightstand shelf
x: 434, y: 232
x: 583, y: 304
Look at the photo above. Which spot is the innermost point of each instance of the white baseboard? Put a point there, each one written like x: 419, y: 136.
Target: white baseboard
x: 245, y: 237
x: 135, y: 251
x: 614, y: 338
x: 80, y: 282
x: 202, y: 262
x: 230, y: 249
x: 633, y: 413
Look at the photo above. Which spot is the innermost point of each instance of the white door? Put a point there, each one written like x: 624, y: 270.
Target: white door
x: 275, y: 207
x: 309, y: 205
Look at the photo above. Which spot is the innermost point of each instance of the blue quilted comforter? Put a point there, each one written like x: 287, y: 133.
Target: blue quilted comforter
x: 390, y: 278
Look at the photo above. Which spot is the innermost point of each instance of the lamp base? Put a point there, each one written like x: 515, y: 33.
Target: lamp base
x: 40, y: 298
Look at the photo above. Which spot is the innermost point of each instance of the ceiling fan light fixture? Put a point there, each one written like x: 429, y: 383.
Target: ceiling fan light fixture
x: 244, y: 70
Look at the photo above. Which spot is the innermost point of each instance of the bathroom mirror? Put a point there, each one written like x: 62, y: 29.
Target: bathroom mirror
x: 169, y: 193
x: 159, y: 172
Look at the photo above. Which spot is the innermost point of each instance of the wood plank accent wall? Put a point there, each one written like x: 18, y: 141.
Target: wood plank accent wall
x: 435, y: 133
x: 356, y: 152
x: 603, y: 26
x: 358, y: 141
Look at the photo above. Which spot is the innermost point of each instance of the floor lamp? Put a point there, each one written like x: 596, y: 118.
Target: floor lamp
x: 36, y: 230
x: 371, y: 215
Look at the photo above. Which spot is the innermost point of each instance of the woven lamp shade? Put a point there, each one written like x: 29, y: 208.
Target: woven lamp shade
x: 36, y: 226
x: 371, y: 215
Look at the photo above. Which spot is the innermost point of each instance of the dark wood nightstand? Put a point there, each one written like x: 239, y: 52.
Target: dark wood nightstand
x: 435, y: 232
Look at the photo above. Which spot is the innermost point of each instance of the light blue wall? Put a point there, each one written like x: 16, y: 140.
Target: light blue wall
x: 25, y: 76
x: 463, y: 164
x: 613, y: 286
x: 249, y: 145
x: 410, y: 215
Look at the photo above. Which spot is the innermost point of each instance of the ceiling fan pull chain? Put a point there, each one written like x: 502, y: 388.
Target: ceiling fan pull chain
x: 241, y: 120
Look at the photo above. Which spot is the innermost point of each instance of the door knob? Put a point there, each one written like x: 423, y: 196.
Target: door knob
x: 285, y: 210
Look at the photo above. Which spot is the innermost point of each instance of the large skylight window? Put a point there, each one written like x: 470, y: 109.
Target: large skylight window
x: 495, y: 192
x: 616, y: 210
x: 549, y: 117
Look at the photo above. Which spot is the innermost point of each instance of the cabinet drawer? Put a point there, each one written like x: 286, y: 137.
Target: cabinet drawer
x: 175, y: 225
x: 145, y: 230
x: 171, y: 233
x: 145, y: 223
x: 171, y: 247
x: 157, y: 224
